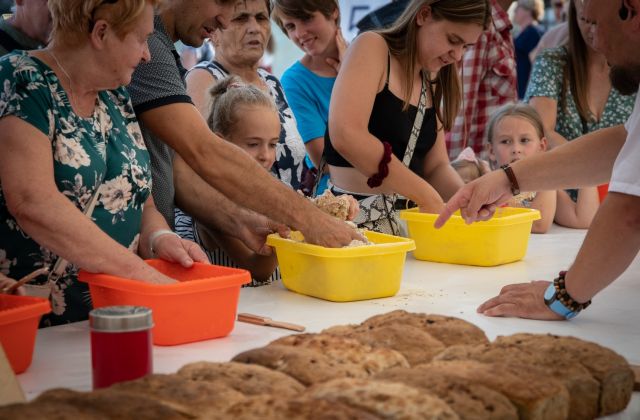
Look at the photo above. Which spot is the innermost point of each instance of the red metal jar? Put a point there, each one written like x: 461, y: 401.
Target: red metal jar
x: 121, y: 345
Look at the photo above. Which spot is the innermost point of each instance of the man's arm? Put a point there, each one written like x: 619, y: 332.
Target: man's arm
x: 613, y: 241
x: 611, y: 245
x: 231, y: 171
x: 583, y: 162
x: 217, y: 213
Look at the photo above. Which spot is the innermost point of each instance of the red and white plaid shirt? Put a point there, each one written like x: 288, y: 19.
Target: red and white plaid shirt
x: 489, y: 81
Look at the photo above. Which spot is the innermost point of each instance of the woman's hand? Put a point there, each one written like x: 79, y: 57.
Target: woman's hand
x: 170, y: 247
x: 342, y: 45
x: 524, y: 300
x: 6, y: 282
x: 354, y: 207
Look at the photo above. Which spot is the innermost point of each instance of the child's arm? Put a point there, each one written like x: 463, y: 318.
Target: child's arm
x: 260, y: 266
x: 545, y: 202
x: 577, y: 215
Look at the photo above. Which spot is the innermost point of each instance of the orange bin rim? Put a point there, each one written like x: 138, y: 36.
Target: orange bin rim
x: 21, y: 307
x: 218, y: 278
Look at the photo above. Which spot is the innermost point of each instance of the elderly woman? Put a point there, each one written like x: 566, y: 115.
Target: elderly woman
x: 70, y: 140
x: 238, y: 50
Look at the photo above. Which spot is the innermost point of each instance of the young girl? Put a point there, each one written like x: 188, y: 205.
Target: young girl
x: 515, y: 132
x: 374, y: 106
x: 314, y: 27
x: 247, y: 117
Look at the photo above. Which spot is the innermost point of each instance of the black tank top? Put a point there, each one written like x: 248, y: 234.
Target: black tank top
x: 388, y: 122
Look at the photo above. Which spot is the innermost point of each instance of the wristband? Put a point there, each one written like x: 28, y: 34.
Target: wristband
x: 155, y: 235
x: 559, y: 301
x: 515, y: 188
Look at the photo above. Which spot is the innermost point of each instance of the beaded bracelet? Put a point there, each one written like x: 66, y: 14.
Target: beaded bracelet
x: 563, y: 296
x: 383, y: 167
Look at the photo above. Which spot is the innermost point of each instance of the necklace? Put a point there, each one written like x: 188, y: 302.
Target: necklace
x: 71, y: 95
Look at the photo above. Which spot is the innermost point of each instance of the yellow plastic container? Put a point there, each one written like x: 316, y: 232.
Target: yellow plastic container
x: 502, y: 239
x: 343, y: 274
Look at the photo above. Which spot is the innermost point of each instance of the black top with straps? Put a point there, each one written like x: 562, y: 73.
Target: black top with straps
x: 388, y: 122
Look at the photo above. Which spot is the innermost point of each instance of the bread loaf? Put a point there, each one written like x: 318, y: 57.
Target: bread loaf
x: 449, y: 330
x: 609, y: 368
x: 244, y: 378
x: 471, y: 401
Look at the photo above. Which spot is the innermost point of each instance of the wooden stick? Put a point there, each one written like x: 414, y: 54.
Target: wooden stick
x: 11, y: 289
x: 266, y: 321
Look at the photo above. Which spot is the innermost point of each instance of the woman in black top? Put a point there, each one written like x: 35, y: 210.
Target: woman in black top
x: 376, y: 95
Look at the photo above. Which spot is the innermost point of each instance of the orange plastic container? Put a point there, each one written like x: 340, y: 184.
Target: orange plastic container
x: 201, y: 306
x: 19, y: 318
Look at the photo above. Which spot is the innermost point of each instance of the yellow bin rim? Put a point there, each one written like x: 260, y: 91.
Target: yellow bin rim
x: 383, y: 244
x: 504, y: 216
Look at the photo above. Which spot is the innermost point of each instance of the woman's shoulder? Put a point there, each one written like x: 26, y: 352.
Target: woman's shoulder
x: 554, y: 54
x: 20, y: 66
x: 208, y: 68
x: 371, y: 39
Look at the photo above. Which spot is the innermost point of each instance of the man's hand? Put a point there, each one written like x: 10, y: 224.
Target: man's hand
x: 524, y: 300
x: 254, y: 228
x: 324, y: 230
x: 478, y: 200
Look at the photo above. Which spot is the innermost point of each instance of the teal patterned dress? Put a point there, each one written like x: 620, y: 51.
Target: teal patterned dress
x: 105, y: 150
x: 546, y: 81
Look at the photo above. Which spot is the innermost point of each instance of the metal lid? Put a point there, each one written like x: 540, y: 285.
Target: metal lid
x: 120, y: 319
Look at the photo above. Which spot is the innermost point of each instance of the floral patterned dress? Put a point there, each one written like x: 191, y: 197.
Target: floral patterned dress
x: 105, y: 150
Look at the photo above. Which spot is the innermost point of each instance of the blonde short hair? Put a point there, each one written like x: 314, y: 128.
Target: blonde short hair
x: 521, y: 110
x: 74, y: 19
x: 536, y: 7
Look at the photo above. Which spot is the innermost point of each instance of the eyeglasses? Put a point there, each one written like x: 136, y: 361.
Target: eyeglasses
x: 92, y: 21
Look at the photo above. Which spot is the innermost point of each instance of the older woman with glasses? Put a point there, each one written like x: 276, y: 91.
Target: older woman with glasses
x: 74, y: 171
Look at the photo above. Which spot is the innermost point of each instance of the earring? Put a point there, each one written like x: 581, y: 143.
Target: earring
x: 623, y: 12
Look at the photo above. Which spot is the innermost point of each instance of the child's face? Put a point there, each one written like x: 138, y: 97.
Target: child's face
x: 258, y: 133
x: 515, y: 138
x: 315, y: 36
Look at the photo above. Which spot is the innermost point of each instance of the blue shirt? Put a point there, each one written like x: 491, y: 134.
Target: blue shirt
x: 309, y: 96
x: 524, y: 44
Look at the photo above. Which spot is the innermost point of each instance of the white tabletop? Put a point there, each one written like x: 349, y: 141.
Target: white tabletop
x: 62, y: 356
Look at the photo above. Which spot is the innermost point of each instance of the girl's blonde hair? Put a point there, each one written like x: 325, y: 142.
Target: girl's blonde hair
x: 401, y: 38
x: 227, y: 96
x: 73, y: 20
x: 303, y: 9
x: 520, y: 110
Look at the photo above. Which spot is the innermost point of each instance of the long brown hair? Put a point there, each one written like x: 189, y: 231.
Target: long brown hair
x: 575, y: 75
x: 401, y: 38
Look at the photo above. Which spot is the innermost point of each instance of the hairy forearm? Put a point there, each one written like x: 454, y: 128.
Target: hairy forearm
x: 205, y: 204
x: 226, y: 167
x: 613, y: 241
x: 583, y: 162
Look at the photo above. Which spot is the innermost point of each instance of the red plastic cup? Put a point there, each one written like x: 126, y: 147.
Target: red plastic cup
x: 121, y: 344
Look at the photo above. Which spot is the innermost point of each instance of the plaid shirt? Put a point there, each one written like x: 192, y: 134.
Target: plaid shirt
x: 489, y: 81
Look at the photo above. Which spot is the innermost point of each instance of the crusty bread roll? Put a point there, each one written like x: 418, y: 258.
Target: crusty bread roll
x: 536, y: 397
x: 244, y: 378
x: 415, y: 344
x: 609, y: 368
x: 447, y: 329
x: 386, y: 399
